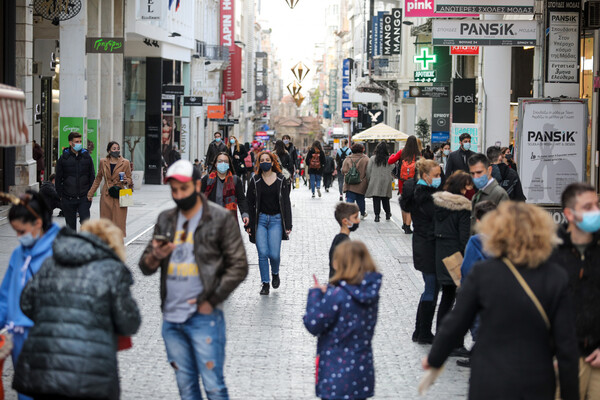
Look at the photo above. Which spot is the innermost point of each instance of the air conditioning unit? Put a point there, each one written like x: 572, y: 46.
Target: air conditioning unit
x: 591, y: 14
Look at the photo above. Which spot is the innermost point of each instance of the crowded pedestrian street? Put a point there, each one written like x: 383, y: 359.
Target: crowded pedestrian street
x: 269, y: 353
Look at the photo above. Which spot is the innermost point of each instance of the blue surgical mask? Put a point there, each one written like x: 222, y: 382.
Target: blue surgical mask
x: 218, y: 140
x: 467, y: 146
x: 77, y: 146
x: 223, y: 167
x: 286, y: 142
x: 481, y: 181
x: 232, y: 141
x: 436, y: 182
x: 446, y: 152
x: 265, y: 166
x: 590, y: 222
x: 27, y: 240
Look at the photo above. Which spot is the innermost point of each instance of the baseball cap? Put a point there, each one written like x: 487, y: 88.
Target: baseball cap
x: 182, y: 171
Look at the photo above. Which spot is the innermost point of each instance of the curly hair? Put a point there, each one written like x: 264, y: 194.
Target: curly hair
x: 109, y: 233
x: 523, y: 233
x: 276, y: 167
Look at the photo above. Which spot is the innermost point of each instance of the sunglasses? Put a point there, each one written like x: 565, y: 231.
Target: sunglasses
x: 184, y: 234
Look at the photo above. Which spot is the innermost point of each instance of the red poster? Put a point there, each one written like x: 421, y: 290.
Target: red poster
x: 232, y: 76
x: 464, y: 50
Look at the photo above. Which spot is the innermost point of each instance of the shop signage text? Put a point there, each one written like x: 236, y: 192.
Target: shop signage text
x: 428, y: 91
x: 463, y: 100
x: 426, y: 8
x: 425, y: 76
x: 149, y: 10
x: 396, y: 30
x: 104, y: 45
x: 485, y: 6
x: 192, y: 101
x: 215, y: 112
x: 351, y: 114
x: 562, y: 51
x: 464, y: 50
x: 173, y: 89
x: 484, y: 33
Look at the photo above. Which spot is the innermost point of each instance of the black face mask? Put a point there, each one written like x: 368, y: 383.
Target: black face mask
x: 187, y: 203
x: 353, y: 227
x: 115, y: 154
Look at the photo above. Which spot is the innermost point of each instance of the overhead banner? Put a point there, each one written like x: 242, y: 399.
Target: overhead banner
x: 484, y: 33
x: 346, y: 104
x: 260, y: 72
x: 552, y: 147
x: 463, y: 100
x: 396, y: 31
x: 562, y: 44
x: 386, y: 35
x: 426, y: 8
x: 485, y: 6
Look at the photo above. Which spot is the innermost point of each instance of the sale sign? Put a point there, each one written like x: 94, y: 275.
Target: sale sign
x: 426, y: 8
x: 464, y: 50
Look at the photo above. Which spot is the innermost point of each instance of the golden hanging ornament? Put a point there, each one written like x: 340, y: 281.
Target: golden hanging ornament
x: 294, y: 88
x: 298, y: 98
x: 300, y: 71
x: 292, y: 3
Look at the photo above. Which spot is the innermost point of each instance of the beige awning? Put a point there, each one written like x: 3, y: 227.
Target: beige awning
x: 379, y: 133
x: 13, y: 129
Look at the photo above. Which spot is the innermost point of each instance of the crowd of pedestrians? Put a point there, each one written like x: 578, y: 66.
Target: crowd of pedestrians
x: 528, y: 291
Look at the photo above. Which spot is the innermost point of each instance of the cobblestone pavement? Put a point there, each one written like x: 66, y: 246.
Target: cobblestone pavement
x: 270, y: 355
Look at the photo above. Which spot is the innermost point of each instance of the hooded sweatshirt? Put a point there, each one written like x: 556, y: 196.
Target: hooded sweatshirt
x: 343, y: 318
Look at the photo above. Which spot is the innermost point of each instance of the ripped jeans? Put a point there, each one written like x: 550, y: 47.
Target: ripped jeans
x: 197, y: 347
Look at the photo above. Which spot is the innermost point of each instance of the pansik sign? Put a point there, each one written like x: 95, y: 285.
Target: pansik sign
x: 562, y: 63
x: 484, y: 33
x: 426, y: 8
x: 552, y: 143
x: 485, y: 6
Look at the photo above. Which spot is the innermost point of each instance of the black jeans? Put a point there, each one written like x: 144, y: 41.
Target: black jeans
x: 377, y: 204
x: 327, y: 179
x: 70, y: 208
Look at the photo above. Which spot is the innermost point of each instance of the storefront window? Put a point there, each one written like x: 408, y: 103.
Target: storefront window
x: 586, y: 89
x: 135, y: 111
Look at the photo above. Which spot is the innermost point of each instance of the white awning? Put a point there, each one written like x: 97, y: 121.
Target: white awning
x: 380, y: 132
x: 13, y: 129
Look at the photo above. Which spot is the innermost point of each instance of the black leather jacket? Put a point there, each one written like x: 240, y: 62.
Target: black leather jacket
x: 219, y: 251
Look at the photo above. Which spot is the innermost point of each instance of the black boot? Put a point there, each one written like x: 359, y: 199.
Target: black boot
x: 415, y: 335
x: 427, y: 312
x: 376, y: 217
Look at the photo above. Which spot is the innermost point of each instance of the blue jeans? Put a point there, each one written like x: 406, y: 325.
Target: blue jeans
x: 315, y: 182
x: 18, y: 342
x: 268, y: 243
x: 431, y: 287
x: 352, y: 197
x: 197, y: 347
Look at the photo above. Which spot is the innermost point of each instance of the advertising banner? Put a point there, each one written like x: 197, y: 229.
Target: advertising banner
x: 485, y: 6
x: 459, y: 129
x: 484, y: 33
x: 66, y: 125
x: 426, y: 8
x: 386, y: 47
x: 91, y: 141
x: 463, y: 100
x: 380, y: 15
x: 375, y: 32
x: 184, y: 138
x: 396, y: 31
x: 346, y: 104
x: 464, y: 50
x: 552, y: 144
x: 232, y: 76
x: 260, y: 77
x: 562, y: 52
x: 370, y: 38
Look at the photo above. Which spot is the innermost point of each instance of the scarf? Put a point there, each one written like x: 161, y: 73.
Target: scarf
x: 229, y: 197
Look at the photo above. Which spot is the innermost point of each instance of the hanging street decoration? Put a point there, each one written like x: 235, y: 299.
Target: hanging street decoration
x: 57, y: 10
x: 299, y: 98
x: 300, y: 71
x: 294, y: 88
x: 292, y: 3
x: 425, y: 58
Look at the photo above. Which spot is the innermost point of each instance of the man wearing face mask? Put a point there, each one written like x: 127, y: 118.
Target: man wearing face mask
x: 199, y: 250
x: 289, y: 146
x: 579, y: 255
x: 215, y: 147
x: 74, y: 178
x: 487, y: 187
x: 458, y: 160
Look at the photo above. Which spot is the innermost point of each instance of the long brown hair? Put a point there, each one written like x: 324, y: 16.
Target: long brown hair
x: 237, y: 144
x: 276, y: 165
x: 352, y: 261
x: 411, y: 149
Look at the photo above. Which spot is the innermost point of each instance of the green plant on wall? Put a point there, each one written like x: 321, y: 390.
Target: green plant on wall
x: 314, y: 100
x: 422, y: 131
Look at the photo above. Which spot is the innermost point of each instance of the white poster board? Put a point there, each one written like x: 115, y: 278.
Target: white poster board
x: 458, y: 129
x: 551, y: 144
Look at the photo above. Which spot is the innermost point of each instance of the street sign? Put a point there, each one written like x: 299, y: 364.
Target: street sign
x: 192, y: 101
x: 428, y: 91
x: 440, y: 137
x: 464, y: 50
x: 426, y: 76
x: 351, y: 114
x: 215, y: 112
x: 173, y: 89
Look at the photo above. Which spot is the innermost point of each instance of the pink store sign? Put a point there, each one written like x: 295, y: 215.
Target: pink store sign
x: 425, y: 8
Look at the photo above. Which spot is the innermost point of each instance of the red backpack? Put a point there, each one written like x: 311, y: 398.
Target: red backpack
x: 315, y: 161
x: 407, y: 170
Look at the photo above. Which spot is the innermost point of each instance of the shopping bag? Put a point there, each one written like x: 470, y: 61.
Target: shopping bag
x: 453, y: 264
x: 125, y: 197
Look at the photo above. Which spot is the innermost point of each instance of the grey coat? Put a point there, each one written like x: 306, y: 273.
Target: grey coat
x: 380, y: 179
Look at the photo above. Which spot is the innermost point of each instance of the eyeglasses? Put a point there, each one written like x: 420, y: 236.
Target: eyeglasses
x: 183, y: 237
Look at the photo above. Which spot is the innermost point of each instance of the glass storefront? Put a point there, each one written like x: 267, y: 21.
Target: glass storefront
x: 135, y: 111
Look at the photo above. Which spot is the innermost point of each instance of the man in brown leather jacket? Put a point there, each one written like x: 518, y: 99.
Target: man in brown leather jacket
x: 200, y: 253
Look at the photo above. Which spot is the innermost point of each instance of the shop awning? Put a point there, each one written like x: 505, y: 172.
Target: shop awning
x: 379, y: 133
x: 13, y: 129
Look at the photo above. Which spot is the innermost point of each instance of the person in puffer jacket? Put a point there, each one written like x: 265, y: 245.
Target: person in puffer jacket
x: 80, y: 301
x: 343, y: 316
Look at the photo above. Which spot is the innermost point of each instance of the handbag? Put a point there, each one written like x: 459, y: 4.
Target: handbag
x: 453, y: 264
x: 125, y: 197
x: 113, y: 191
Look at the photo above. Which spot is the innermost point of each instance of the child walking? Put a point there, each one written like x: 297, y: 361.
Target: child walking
x: 346, y: 214
x: 343, y: 315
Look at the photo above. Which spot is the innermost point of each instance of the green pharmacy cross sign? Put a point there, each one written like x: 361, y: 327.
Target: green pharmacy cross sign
x: 425, y: 58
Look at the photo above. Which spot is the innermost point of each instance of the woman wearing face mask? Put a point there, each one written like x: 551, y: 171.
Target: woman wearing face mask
x: 452, y: 219
x: 31, y: 218
x: 116, y: 172
x: 508, y: 158
x: 417, y: 198
x: 268, y: 199
x: 237, y: 152
x: 224, y: 188
x: 441, y: 156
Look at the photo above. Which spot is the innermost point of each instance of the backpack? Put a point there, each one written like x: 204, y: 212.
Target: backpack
x: 407, y: 170
x: 343, y: 155
x: 248, y: 160
x: 353, y: 176
x: 315, y: 161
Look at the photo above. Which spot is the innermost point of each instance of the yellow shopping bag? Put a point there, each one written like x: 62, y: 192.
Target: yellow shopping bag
x: 125, y: 197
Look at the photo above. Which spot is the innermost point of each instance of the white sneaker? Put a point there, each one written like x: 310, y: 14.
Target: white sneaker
x: 364, y: 215
x: 319, y: 192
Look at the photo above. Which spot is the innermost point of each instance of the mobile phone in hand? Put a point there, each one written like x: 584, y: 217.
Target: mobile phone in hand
x: 161, y: 238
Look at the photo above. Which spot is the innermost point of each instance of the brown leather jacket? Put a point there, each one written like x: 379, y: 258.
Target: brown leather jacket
x: 219, y: 251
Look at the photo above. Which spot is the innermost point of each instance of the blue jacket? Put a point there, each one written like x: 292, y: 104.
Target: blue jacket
x: 343, y: 318
x: 473, y: 253
x: 15, y: 279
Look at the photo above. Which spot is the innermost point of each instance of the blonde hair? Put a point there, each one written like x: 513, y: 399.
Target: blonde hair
x: 523, y: 233
x: 108, y: 232
x: 424, y: 166
x: 351, y: 261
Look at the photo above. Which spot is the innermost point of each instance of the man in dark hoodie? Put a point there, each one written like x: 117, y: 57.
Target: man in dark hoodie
x: 579, y: 255
x: 75, y: 175
x: 214, y: 148
x: 507, y: 177
x: 458, y: 160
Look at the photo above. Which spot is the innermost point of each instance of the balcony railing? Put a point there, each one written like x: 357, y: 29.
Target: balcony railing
x: 212, y: 51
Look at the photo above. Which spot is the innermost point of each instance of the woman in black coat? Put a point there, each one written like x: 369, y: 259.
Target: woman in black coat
x: 315, y: 160
x: 80, y: 300
x: 237, y: 152
x: 417, y: 199
x: 452, y: 232
x: 516, y: 343
x: 287, y: 165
